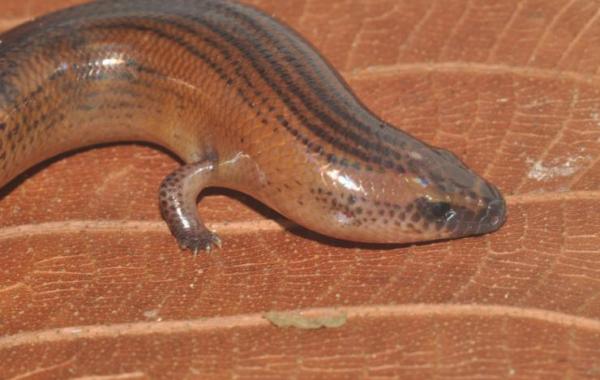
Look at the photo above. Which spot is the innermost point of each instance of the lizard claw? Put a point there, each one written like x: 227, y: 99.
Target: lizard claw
x: 196, y: 242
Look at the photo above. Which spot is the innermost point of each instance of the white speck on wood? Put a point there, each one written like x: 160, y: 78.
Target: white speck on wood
x: 541, y: 171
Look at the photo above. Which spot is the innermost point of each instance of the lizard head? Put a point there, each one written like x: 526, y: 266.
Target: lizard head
x: 422, y: 194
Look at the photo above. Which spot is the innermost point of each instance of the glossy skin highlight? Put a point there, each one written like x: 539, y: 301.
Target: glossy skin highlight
x: 246, y: 103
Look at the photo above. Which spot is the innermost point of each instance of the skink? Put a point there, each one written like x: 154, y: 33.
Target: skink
x: 246, y: 103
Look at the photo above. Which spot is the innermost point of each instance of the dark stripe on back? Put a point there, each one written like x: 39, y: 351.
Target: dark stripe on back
x: 254, y: 51
x: 128, y: 24
x: 372, y: 151
x: 296, y: 42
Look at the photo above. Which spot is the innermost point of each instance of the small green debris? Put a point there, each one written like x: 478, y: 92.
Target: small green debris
x: 299, y: 321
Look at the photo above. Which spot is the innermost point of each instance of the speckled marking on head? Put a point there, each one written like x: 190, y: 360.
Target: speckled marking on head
x: 417, y: 216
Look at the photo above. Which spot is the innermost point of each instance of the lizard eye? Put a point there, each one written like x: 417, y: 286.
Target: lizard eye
x: 439, y: 209
x: 436, y: 210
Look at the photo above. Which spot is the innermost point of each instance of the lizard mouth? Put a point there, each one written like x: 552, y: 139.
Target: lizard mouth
x: 488, y: 219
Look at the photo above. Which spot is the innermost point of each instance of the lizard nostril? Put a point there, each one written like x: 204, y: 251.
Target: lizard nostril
x: 496, y: 211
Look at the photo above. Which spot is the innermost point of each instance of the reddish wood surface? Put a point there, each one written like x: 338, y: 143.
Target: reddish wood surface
x: 92, y: 284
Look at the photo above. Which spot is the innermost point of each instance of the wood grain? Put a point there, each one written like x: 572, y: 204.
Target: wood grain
x: 92, y: 284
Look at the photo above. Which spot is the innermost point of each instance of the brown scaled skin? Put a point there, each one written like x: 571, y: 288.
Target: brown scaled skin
x: 246, y: 103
